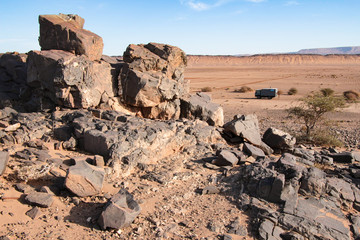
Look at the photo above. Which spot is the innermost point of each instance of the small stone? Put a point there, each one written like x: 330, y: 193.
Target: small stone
x: 13, y: 127
x: 24, y: 188
x: 226, y: 158
x: 34, y: 213
x: 210, y: 190
x: 99, y: 161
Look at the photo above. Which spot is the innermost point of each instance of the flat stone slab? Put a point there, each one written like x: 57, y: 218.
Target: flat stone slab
x: 40, y: 199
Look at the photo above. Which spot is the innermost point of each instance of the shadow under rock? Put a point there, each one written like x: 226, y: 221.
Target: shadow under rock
x: 86, y: 214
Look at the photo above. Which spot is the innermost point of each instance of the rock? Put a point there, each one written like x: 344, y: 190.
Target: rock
x: 24, y: 188
x: 355, y: 220
x: 152, y: 79
x: 69, y: 144
x: 200, y: 106
x: 210, y: 190
x: 245, y: 126
x: 343, y: 157
x: 65, y: 32
x: 287, y: 165
x: 237, y: 228
x: 4, y: 159
x: 340, y: 188
x: 99, y: 161
x: 266, y: 229
x: 314, y: 182
x: 12, y: 127
x: 303, y: 153
x: 40, y: 199
x: 120, y: 211
x: 226, y: 158
x: 12, y: 76
x: 84, y: 179
x: 278, y: 139
x: 164, y: 110
x: 34, y: 213
x: 63, y: 79
x: 253, y: 151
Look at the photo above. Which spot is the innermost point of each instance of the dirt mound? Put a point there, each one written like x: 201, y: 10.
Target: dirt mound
x: 289, y: 59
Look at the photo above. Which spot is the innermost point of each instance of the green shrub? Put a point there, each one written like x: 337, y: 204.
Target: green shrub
x: 327, y: 92
x: 313, y: 107
x: 206, y: 89
x: 292, y: 91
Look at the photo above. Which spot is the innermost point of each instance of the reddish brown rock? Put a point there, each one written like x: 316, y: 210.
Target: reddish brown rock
x: 84, y: 179
x: 65, y: 79
x: 65, y: 32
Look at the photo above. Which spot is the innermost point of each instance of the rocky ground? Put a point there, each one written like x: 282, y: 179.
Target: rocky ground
x: 184, y: 190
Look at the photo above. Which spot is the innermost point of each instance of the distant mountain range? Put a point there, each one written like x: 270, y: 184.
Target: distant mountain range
x: 318, y: 51
x: 326, y: 51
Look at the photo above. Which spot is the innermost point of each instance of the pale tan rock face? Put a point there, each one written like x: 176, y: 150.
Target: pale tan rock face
x: 65, y: 32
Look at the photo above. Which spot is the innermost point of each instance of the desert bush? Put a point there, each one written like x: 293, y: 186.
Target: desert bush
x: 244, y: 89
x: 206, y: 89
x: 292, y: 91
x: 351, y: 95
x: 325, y: 138
x: 280, y: 92
x: 327, y: 92
x: 312, y: 109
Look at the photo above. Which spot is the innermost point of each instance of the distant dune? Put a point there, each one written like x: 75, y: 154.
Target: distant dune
x: 288, y: 59
x: 326, y: 51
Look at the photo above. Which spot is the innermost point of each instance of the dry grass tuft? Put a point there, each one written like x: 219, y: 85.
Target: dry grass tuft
x: 351, y: 95
x: 206, y: 89
x: 244, y: 89
x: 292, y: 91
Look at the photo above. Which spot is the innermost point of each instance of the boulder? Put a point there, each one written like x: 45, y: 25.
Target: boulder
x: 60, y: 78
x: 4, y: 159
x: 245, y: 126
x: 278, y: 139
x: 84, y: 179
x: 200, y: 106
x: 65, y: 32
x: 120, y: 211
x: 153, y: 73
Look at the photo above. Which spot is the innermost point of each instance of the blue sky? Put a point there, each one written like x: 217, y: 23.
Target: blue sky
x: 213, y: 27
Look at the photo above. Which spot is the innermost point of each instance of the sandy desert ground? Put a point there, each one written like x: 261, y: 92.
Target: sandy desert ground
x: 306, y: 73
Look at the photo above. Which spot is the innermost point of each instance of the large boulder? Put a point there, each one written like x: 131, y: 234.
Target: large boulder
x: 65, y: 32
x: 200, y: 106
x: 61, y: 78
x: 278, y: 139
x: 153, y: 74
x: 245, y: 126
x: 120, y: 211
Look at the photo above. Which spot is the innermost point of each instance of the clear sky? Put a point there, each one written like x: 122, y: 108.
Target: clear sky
x: 213, y: 27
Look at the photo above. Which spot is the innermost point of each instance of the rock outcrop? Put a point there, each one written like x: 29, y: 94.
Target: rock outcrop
x: 65, y: 32
x: 153, y: 77
x: 63, y: 79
